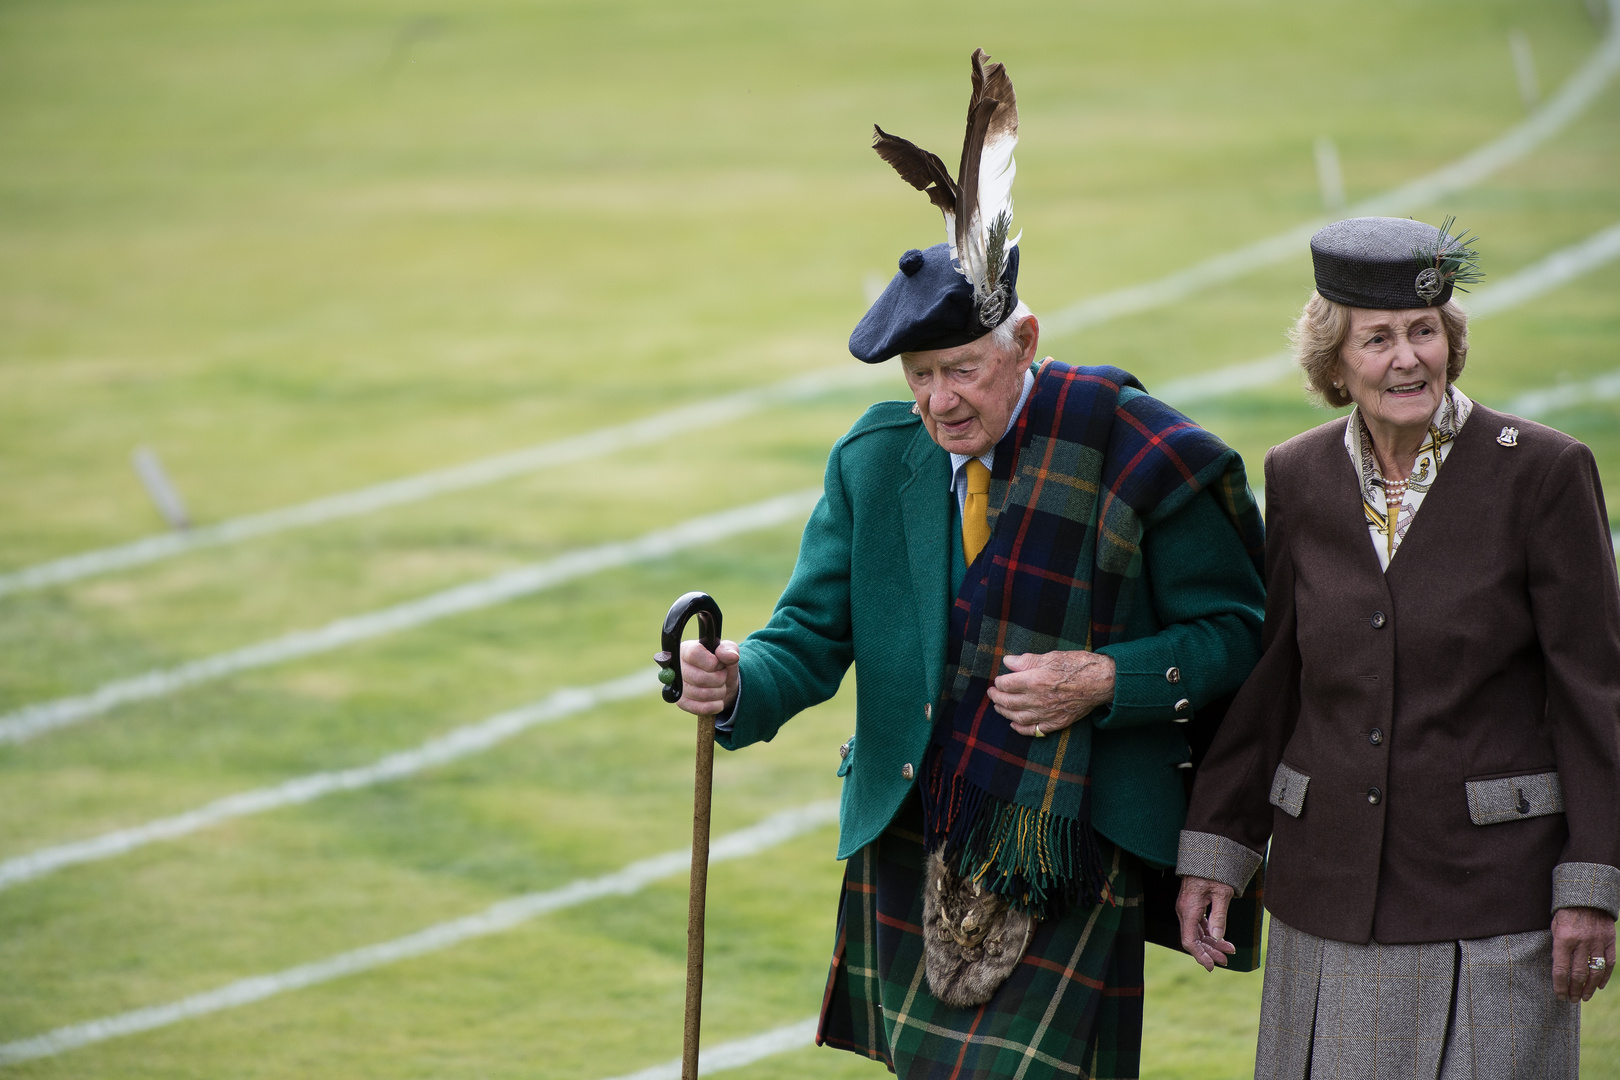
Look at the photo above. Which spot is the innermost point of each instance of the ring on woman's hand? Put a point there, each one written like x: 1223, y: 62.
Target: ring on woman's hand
x: 1596, y: 963
x: 1040, y: 732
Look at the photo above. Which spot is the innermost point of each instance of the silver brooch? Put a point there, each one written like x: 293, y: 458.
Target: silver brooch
x: 993, y: 309
x: 1428, y: 284
x: 1509, y: 436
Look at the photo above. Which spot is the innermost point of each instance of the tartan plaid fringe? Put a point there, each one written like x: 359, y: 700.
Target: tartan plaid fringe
x: 1040, y: 861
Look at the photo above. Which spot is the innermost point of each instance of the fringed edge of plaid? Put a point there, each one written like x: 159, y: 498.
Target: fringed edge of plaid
x: 1041, y: 862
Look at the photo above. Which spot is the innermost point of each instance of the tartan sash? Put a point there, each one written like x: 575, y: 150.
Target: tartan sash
x: 1077, y: 480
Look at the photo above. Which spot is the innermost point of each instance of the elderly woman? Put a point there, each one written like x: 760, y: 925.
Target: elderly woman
x: 1429, y: 743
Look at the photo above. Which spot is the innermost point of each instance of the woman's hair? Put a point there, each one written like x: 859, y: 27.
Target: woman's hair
x: 1320, y: 334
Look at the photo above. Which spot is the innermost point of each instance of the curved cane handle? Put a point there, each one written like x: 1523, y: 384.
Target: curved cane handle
x: 703, y: 606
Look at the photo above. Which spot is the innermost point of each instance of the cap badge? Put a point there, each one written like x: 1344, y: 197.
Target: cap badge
x: 1509, y: 436
x: 993, y: 309
x: 1428, y: 284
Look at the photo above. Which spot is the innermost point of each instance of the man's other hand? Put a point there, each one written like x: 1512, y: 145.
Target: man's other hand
x: 1201, y: 909
x: 708, y: 679
x: 1052, y: 690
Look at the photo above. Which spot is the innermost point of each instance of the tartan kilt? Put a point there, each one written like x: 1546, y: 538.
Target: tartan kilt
x: 1072, y: 1007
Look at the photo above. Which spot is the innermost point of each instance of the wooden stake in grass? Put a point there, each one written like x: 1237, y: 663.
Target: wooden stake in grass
x: 708, y: 612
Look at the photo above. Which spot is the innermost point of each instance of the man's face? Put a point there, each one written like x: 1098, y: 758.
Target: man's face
x: 966, y: 395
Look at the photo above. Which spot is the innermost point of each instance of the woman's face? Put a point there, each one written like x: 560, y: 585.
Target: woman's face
x: 1393, y: 364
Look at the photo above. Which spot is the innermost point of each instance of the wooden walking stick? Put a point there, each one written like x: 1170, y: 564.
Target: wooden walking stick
x: 669, y: 661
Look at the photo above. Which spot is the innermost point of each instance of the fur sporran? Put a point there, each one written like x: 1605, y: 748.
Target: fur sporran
x: 972, y: 940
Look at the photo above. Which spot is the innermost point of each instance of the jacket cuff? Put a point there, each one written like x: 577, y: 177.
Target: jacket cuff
x: 1585, y: 884
x: 1148, y: 687
x: 725, y: 718
x: 1212, y: 856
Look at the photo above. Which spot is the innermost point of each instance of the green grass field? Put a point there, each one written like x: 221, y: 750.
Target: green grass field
x: 298, y: 248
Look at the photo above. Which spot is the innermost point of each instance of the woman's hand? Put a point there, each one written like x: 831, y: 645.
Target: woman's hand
x: 1580, y: 933
x: 708, y: 679
x: 1052, y: 690
x: 1201, y: 910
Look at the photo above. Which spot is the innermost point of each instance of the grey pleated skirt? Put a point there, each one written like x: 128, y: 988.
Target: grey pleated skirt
x: 1450, y: 1010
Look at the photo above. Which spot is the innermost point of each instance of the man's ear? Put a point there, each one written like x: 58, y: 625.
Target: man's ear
x: 1028, y: 339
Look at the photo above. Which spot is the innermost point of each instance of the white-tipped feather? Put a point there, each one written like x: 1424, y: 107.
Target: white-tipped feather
x: 977, y: 204
x: 996, y: 171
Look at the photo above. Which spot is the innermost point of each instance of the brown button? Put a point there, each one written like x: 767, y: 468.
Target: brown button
x: 1173, y: 675
x: 928, y: 711
x: 1183, y: 705
x: 1374, y: 796
x: 1378, y: 620
x: 1376, y: 737
x: 907, y: 772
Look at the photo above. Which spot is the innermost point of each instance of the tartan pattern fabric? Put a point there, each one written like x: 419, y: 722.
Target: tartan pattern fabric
x: 1444, y: 1010
x: 1072, y: 1008
x: 1086, y: 469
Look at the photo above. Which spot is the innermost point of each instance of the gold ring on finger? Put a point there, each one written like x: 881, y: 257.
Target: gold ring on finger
x: 1040, y: 732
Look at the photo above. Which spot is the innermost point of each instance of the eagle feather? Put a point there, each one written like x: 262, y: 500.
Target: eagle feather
x: 977, y: 204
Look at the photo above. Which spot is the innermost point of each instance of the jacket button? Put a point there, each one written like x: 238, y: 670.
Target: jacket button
x: 1378, y: 620
x: 1183, y: 705
x: 928, y: 711
x: 843, y: 751
x: 907, y: 772
x: 1375, y: 796
x: 1173, y: 675
x: 1376, y: 737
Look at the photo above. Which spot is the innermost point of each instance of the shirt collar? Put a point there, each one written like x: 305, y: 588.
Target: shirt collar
x: 989, y: 456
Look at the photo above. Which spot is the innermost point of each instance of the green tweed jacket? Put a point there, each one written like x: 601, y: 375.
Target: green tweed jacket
x: 873, y: 587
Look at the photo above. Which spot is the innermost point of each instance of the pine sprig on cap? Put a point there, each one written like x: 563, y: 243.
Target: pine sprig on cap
x: 1452, y: 258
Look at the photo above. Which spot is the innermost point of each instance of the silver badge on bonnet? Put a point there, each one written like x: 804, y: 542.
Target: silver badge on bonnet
x: 993, y: 309
x: 1428, y: 284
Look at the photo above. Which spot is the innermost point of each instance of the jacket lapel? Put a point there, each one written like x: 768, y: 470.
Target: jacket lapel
x: 1444, y: 518
x: 924, y: 506
x: 1347, y: 514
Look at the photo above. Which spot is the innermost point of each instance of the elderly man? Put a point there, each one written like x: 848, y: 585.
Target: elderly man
x: 1040, y: 572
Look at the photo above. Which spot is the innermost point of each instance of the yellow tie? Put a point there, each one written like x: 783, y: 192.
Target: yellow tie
x: 976, y: 510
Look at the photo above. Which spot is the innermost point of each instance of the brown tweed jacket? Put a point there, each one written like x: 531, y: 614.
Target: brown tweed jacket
x: 1433, y: 752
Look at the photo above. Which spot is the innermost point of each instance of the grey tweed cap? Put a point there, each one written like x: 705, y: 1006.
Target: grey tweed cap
x: 1370, y: 262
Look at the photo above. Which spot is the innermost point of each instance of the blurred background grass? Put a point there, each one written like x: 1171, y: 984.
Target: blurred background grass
x: 298, y: 248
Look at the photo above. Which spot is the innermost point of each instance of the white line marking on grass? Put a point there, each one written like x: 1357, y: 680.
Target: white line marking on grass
x: 1559, y: 268
x: 1572, y: 99
x: 409, y: 489
x: 1227, y: 380
x: 505, y: 915
x: 32, y: 720
x: 1538, y: 403
x: 458, y: 743
x: 734, y: 1055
